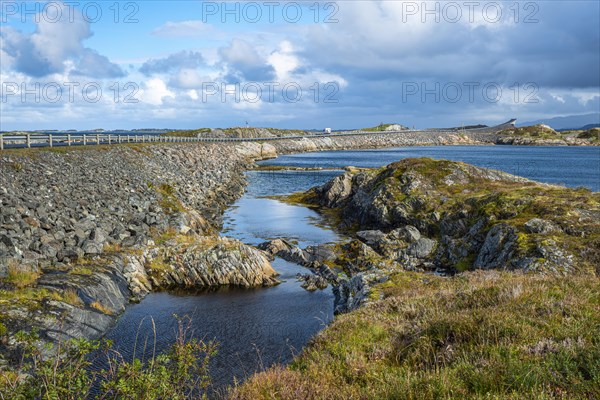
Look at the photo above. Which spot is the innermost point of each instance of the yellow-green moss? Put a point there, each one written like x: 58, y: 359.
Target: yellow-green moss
x: 168, y: 199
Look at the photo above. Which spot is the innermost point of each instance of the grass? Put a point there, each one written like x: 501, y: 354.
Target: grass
x: 81, y: 270
x: 96, y: 305
x: 112, y: 248
x: 189, y: 133
x: 466, y: 263
x: 378, y: 128
x: 542, y: 132
x: 171, y: 236
x: 31, y: 298
x: 534, y: 131
x: 68, y: 296
x: 71, y: 371
x: 17, y: 166
x: 158, y: 267
x: 593, y: 134
x: 476, y: 335
x: 168, y: 200
x: 21, y: 277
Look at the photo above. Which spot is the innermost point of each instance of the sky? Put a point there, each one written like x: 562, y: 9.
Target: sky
x: 298, y: 65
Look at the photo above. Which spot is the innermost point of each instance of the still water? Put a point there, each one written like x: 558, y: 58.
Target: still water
x: 260, y: 327
x: 569, y: 166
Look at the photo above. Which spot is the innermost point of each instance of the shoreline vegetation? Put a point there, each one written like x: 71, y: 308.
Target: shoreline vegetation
x: 98, y: 264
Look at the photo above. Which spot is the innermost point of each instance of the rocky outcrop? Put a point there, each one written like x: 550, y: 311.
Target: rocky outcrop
x: 312, y: 282
x: 315, y: 258
x: 67, y: 303
x: 212, y: 262
x: 448, y: 217
x: 307, y: 257
x: 354, y: 292
x: 57, y: 207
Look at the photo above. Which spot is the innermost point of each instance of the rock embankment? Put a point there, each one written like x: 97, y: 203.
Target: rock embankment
x: 543, y: 135
x: 428, y: 215
x: 58, y: 207
x: 378, y: 140
x: 85, y: 231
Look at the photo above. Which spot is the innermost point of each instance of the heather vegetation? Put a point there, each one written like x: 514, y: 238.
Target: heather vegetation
x: 476, y: 335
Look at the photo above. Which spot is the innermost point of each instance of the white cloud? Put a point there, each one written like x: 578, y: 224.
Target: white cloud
x: 247, y: 105
x: 154, y: 91
x: 284, y: 61
x: 193, y: 94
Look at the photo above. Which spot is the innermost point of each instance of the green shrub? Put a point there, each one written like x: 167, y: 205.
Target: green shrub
x: 180, y: 373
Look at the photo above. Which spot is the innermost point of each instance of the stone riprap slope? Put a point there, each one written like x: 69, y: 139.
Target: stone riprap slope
x: 85, y: 231
x: 56, y: 207
x: 378, y: 140
x: 423, y: 214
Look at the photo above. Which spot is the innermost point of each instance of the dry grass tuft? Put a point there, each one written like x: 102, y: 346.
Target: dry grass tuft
x: 21, y: 277
x: 101, y: 307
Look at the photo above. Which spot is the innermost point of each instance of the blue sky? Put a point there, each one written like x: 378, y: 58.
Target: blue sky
x: 345, y: 64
